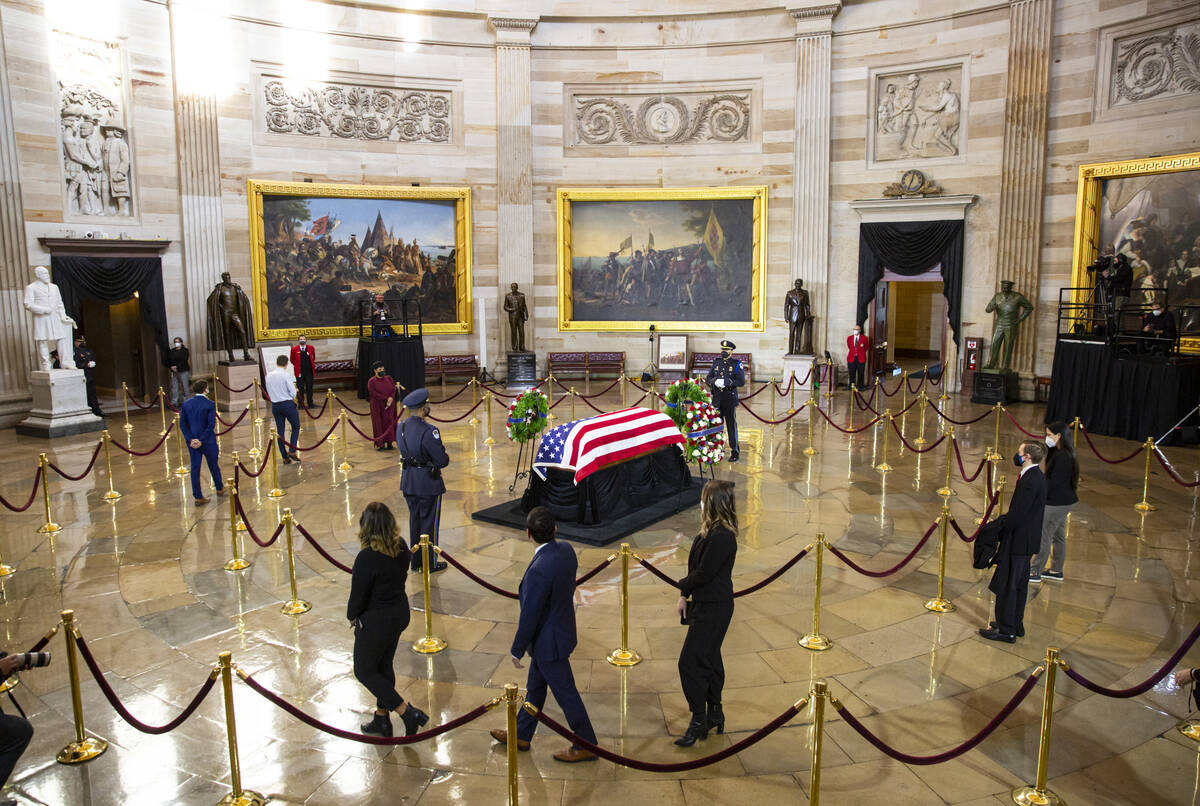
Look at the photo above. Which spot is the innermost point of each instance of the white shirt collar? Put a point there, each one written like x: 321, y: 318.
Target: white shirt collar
x: 540, y: 547
x: 1027, y: 468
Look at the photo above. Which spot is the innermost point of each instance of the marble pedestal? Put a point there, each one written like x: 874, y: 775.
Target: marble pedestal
x: 799, y: 364
x: 60, y: 405
x: 236, y: 375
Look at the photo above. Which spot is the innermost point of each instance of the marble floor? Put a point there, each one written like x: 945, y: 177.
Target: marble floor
x: 144, y: 577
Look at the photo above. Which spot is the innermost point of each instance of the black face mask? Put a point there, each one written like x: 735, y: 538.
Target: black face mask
x: 1017, y: 459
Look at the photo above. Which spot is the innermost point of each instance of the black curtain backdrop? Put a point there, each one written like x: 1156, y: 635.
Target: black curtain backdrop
x: 403, y: 356
x: 113, y: 280
x: 911, y: 248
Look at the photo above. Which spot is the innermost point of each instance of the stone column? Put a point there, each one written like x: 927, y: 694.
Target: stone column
x: 514, y: 168
x: 1023, y: 164
x: 202, y: 223
x: 810, y: 169
x: 15, y: 344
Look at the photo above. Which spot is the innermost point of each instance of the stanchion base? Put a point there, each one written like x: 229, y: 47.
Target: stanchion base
x: 112, y: 495
x: 275, y: 492
x: 49, y: 528
x: 816, y: 641
x: 6, y: 570
x: 946, y: 492
x: 1144, y: 506
x: 883, y: 467
x: 1188, y: 727
x: 79, y: 752
x: 492, y: 441
x: 333, y: 437
x: 429, y: 645
x: 247, y: 798
x: 8, y: 685
x: 345, y: 467
x: 237, y: 564
x: 993, y: 457
x: 295, y: 607
x: 473, y: 421
x: 810, y: 451
x: 624, y: 658
x: 258, y: 421
x: 181, y: 471
x: 1029, y: 796
x: 940, y: 606
x: 128, y: 427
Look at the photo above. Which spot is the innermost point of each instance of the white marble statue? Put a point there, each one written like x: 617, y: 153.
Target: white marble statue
x: 51, y: 325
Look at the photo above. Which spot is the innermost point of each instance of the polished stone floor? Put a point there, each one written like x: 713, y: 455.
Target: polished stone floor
x: 145, y: 578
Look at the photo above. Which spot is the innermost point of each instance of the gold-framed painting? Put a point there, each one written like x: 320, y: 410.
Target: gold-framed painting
x: 1148, y: 209
x: 320, y: 253
x: 682, y: 259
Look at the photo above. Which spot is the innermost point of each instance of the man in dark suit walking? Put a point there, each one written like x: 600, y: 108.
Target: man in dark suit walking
x: 546, y: 630
x: 198, y: 419
x: 1020, y: 539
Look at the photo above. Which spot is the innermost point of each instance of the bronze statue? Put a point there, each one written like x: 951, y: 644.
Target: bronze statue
x: 230, y: 319
x: 514, y: 305
x: 798, y: 314
x: 1011, y: 309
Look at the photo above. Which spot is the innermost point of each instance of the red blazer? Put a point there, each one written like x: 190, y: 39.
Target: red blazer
x: 858, y: 346
x: 312, y: 358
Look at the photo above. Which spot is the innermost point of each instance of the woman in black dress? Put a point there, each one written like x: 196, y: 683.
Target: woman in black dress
x: 378, y: 610
x: 706, y: 606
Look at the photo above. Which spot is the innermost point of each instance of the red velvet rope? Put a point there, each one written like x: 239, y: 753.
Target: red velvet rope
x: 313, y: 722
x: 587, y: 577
x: 250, y: 529
x: 342, y: 403
x: 478, y: 580
x: 920, y: 383
x: 1019, y: 426
x: 389, y: 433
x: 241, y: 468
x: 870, y: 424
x: 962, y: 470
x: 157, y: 445
x: 883, y: 389
x: 319, y: 414
x: 37, y: 478
x: 783, y: 569
x: 950, y: 419
x: 321, y: 550
x: 1147, y: 684
x: 135, y: 402
x: 1087, y: 437
x: 783, y: 419
x: 911, y: 446
x: 1162, y: 460
x: 674, y: 583
x: 462, y: 416
x: 864, y: 403
x: 993, y: 500
x: 231, y: 389
x: 594, y: 394
x: 497, y: 393
x: 86, y: 470
x: 678, y: 766
x: 120, y: 708
x: 318, y: 443
x: 464, y: 388
x: 45, y: 639
x: 229, y: 426
x: 953, y: 752
x: 888, y: 572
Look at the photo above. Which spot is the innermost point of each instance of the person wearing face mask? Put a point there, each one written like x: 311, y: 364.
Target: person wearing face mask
x: 1020, y: 539
x: 856, y: 358
x: 304, y: 362
x: 176, y: 360
x: 724, y: 378
x: 1158, y: 330
x: 381, y: 390
x: 1062, y: 481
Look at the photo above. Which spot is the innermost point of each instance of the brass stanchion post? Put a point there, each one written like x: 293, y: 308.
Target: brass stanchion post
x: 940, y: 604
x: 878, y: 393
x: 488, y: 405
x: 904, y: 390
x: 345, y: 466
x: 239, y: 796
x: 830, y: 378
x: 817, y: 696
x: 512, y: 703
x: 624, y: 390
x: 84, y: 748
x: 815, y: 640
x: 125, y: 407
x: 241, y: 525
x: 549, y: 398
x: 991, y: 476
x: 429, y: 644
x: 811, y: 405
x: 255, y: 428
x: 474, y: 399
x: 792, y: 393
x: 257, y: 395
x: 275, y: 492
x: 884, y: 467
x: 238, y: 562
x: 329, y: 405
x: 162, y: 411
x: 1038, y: 794
x: 851, y: 408
x: 946, y: 490
x: 111, y: 495
x: 1144, y: 505
x: 774, y: 388
x: 182, y: 469
x: 995, y: 449
x: 1000, y: 482
x: 294, y: 606
x: 6, y: 570
x: 49, y: 527
x: 921, y: 413
x: 573, y: 396
x: 1075, y: 426
x: 624, y: 656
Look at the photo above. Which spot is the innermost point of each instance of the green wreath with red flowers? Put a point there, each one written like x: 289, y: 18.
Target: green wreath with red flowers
x: 527, y: 416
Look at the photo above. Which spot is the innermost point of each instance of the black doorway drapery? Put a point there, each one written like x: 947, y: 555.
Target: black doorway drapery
x: 113, y: 280
x: 910, y: 248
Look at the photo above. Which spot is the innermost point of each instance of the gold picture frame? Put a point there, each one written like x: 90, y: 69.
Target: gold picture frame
x: 752, y: 294
x: 1088, y: 203
x: 257, y: 191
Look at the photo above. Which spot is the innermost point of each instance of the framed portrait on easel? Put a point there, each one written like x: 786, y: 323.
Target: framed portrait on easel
x: 672, y: 353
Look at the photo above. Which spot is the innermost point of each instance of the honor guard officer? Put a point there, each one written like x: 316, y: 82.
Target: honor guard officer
x: 724, y: 379
x: 423, y: 456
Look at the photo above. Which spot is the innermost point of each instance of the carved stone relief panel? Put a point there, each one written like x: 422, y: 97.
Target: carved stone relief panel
x: 700, y: 114
x: 917, y: 112
x: 1158, y: 64
x: 97, y: 161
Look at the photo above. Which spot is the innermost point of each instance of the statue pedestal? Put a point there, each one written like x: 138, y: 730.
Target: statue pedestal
x: 236, y: 375
x: 799, y: 364
x: 997, y: 386
x: 59, y: 405
x: 521, y: 372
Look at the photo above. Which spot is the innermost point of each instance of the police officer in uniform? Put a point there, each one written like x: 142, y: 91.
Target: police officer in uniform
x: 724, y: 379
x: 423, y: 456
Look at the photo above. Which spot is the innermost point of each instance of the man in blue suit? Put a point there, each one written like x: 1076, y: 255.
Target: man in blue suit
x: 198, y: 420
x: 546, y: 630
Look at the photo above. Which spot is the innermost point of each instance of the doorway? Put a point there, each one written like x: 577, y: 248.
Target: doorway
x: 124, y: 347
x: 909, y: 320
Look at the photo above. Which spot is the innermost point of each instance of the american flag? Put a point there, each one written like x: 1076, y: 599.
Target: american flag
x: 592, y: 444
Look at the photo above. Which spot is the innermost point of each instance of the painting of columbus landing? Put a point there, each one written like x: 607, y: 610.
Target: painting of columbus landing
x: 681, y: 259
x: 324, y: 252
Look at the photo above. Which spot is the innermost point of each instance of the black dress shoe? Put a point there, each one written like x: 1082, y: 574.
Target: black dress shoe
x: 716, y: 718
x: 734, y: 456
x: 287, y: 460
x: 1020, y: 630
x: 696, y: 729
x: 381, y: 725
x: 413, y: 718
x: 992, y: 634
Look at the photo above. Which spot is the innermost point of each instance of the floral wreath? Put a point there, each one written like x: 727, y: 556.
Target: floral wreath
x: 704, y: 434
x: 527, y: 416
x: 681, y: 397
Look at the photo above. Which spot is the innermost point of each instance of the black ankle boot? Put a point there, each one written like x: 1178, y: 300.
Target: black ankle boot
x: 696, y: 729
x: 716, y: 718
x: 413, y: 718
x: 381, y: 725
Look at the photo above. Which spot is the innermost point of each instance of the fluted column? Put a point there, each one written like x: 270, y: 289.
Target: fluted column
x: 15, y: 344
x: 810, y: 169
x: 514, y: 166
x: 202, y: 222
x: 1023, y: 171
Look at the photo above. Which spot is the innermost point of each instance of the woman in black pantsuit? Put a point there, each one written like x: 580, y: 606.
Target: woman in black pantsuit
x: 378, y: 611
x: 706, y: 606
